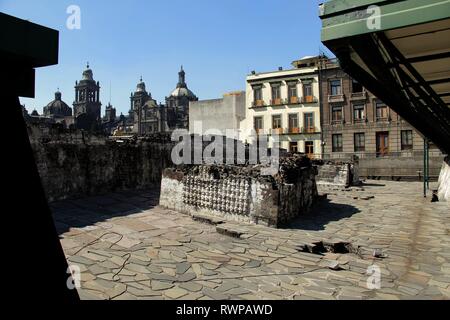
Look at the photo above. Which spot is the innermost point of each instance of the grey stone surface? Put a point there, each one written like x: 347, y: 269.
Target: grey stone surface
x: 410, y: 231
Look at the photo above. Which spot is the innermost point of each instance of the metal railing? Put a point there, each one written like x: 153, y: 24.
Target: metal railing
x: 258, y: 103
x: 309, y: 99
x: 375, y: 155
x: 276, y: 102
x: 359, y: 95
x: 336, y: 98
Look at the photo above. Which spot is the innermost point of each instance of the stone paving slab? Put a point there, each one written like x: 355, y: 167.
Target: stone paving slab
x: 129, y: 248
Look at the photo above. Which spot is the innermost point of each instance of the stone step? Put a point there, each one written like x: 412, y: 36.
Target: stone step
x: 207, y: 219
x: 230, y: 230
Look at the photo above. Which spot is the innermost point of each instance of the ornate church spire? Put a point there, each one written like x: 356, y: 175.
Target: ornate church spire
x: 181, y: 79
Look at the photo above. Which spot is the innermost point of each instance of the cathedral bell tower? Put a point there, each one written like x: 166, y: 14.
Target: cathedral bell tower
x: 87, y: 105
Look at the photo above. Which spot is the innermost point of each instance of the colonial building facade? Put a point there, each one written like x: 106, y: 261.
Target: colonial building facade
x: 355, y: 122
x: 285, y: 103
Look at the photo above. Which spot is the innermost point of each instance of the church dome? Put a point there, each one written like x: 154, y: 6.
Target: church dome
x: 179, y: 92
x: 57, y: 107
x: 182, y: 90
x: 140, y: 86
x: 87, y: 74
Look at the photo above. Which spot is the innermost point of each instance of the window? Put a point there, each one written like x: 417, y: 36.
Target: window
x: 335, y: 87
x: 336, y: 114
x: 292, y: 89
x: 276, y: 95
x: 381, y: 111
x: 276, y: 92
x: 382, y: 143
x: 293, y: 147
x: 276, y: 122
x: 257, y: 93
x: 337, y: 142
x: 307, y: 90
x: 360, y: 142
x: 308, y: 122
x: 258, y: 123
x: 293, y: 123
x: 358, y: 112
x: 356, y: 87
x: 309, y: 149
x: 407, y: 139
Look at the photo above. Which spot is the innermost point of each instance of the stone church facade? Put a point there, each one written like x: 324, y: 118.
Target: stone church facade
x: 146, y: 115
x: 150, y: 117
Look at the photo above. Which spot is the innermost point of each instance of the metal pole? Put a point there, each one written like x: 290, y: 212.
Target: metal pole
x: 424, y: 168
x: 428, y: 164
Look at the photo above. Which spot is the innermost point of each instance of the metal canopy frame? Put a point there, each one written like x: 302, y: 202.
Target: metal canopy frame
x: 371, y: 57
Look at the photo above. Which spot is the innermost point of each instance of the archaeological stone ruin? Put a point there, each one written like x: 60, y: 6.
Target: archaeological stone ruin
x: 241, y: 192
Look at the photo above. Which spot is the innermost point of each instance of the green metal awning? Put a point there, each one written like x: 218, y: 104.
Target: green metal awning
x: 400, y: 51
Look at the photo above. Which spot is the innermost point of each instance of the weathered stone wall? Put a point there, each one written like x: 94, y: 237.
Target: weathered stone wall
x: 334, y: 174
x: 337, y: 173
x: 444, y: 181
x: 73, y: 164
x: 241, y: 193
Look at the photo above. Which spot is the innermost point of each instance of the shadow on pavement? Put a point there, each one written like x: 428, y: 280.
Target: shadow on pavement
x: 79, y: 213
x: 322, y: 214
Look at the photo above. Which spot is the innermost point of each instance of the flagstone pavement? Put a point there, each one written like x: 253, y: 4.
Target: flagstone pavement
x: 126, y: 247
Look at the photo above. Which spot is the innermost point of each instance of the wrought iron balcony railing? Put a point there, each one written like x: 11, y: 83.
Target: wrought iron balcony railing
x: 358, y: 96
x: 336, y: 98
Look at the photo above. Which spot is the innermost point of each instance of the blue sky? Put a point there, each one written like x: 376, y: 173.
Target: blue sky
x: 217, y: 42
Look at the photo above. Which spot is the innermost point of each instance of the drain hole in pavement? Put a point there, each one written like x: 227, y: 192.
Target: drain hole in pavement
x: 324, y: 247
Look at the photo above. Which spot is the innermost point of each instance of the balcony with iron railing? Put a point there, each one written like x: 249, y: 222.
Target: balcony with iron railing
x: 337, y: 122
x: 336, y: 98
x: 358, y: 96
x: 277, y: 131
x: 309, y: 99
x: 276, y: 102
x: 310, y: 130
x: 293, y: 130
x: 258, y: 104
x: 293, y: 100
